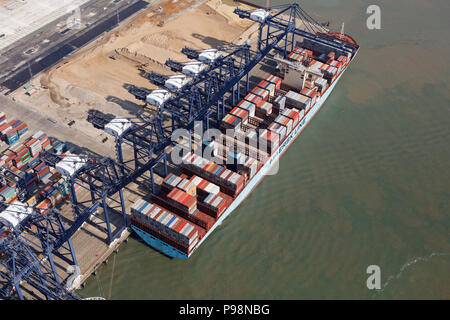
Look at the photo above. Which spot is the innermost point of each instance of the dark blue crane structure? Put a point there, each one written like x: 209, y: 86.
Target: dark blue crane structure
x: 27, y: 253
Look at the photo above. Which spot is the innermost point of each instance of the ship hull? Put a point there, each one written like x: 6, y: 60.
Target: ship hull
x: 174, y: 253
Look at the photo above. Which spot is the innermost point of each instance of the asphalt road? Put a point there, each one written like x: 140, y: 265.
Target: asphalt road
x: 47, y: 46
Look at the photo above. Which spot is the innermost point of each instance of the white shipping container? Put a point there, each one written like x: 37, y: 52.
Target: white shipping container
x: 137, y: 204
x: 186, y: 229
x: 271, y: 88
x: 154, y: 212
x: 252, y: 164
x: 161, y: 218
x: 234, y: 178
x: 148, y: 208
x: 217, y: 201
x: 193, y: 242
x: 267, y: 108
x: 288, y: 123
x: 280, y: 101
x: 212, y: 188
x: 279, y: 129
x: 38, y: 134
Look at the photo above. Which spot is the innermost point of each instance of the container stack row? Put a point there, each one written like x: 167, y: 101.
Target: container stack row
x: 187, y: 190
x: 24, y: 171
x: 165, y: 223
x: 10, y: 132
x: 254, y: 105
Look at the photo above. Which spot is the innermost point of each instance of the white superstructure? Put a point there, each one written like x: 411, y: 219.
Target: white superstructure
x: 70, y: 164
x: 158, y: 97
x: 117, y: 126
x: 15, y: 213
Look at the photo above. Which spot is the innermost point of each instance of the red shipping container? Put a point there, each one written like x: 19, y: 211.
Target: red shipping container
x: 181, y: 226
x: 263, y: 93
x: 30, y: 142
x: 43, y: 172
x: 240, y: 113
x: 275, y: 80
x: 4, y: 126
x: 21, y: 126
x: 293, y: 114
x: 11, y: 132
x: 309, y: 92
x: 257, y: 100
x: 45, y: 143
x: 263, y: 83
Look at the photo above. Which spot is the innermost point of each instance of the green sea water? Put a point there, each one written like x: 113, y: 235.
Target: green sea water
x: 367, y: 183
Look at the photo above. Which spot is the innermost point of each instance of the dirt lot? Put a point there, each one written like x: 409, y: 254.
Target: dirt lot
x: 97, y: 76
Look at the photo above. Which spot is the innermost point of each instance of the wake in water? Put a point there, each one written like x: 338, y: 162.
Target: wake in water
x: 406, y: 265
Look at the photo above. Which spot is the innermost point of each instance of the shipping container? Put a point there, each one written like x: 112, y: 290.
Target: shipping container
x: 248, y: 106
x: 294, y: 56
x: 298, y: 101
x: 231, y: 122
x: 275, y: 80
x: 261, y: 92
x: 280, y: 102
x: 286, y: 122
x: 292, y: 114
x: 240, y: 113
x: 303, y: 51
x: 264, y: 110
x: 182, y: 200
x: 279, y: 129
x: 270, y: 139
x: 310, y: 93
x: 256, y: 100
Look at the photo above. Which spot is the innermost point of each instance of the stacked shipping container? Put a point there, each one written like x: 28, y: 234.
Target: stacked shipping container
x: 23, y: 162
x: 165, y: 223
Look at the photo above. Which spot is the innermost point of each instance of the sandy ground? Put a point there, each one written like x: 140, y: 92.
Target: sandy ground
x: 97, y: 76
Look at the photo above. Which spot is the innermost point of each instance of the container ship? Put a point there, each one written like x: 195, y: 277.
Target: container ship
x: 192, y: 203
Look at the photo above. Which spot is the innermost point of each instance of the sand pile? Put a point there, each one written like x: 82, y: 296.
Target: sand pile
x: 160, y: 39
x: 225, y: 8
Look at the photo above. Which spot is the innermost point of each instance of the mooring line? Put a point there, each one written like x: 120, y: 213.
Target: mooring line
x: 112, y: 276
